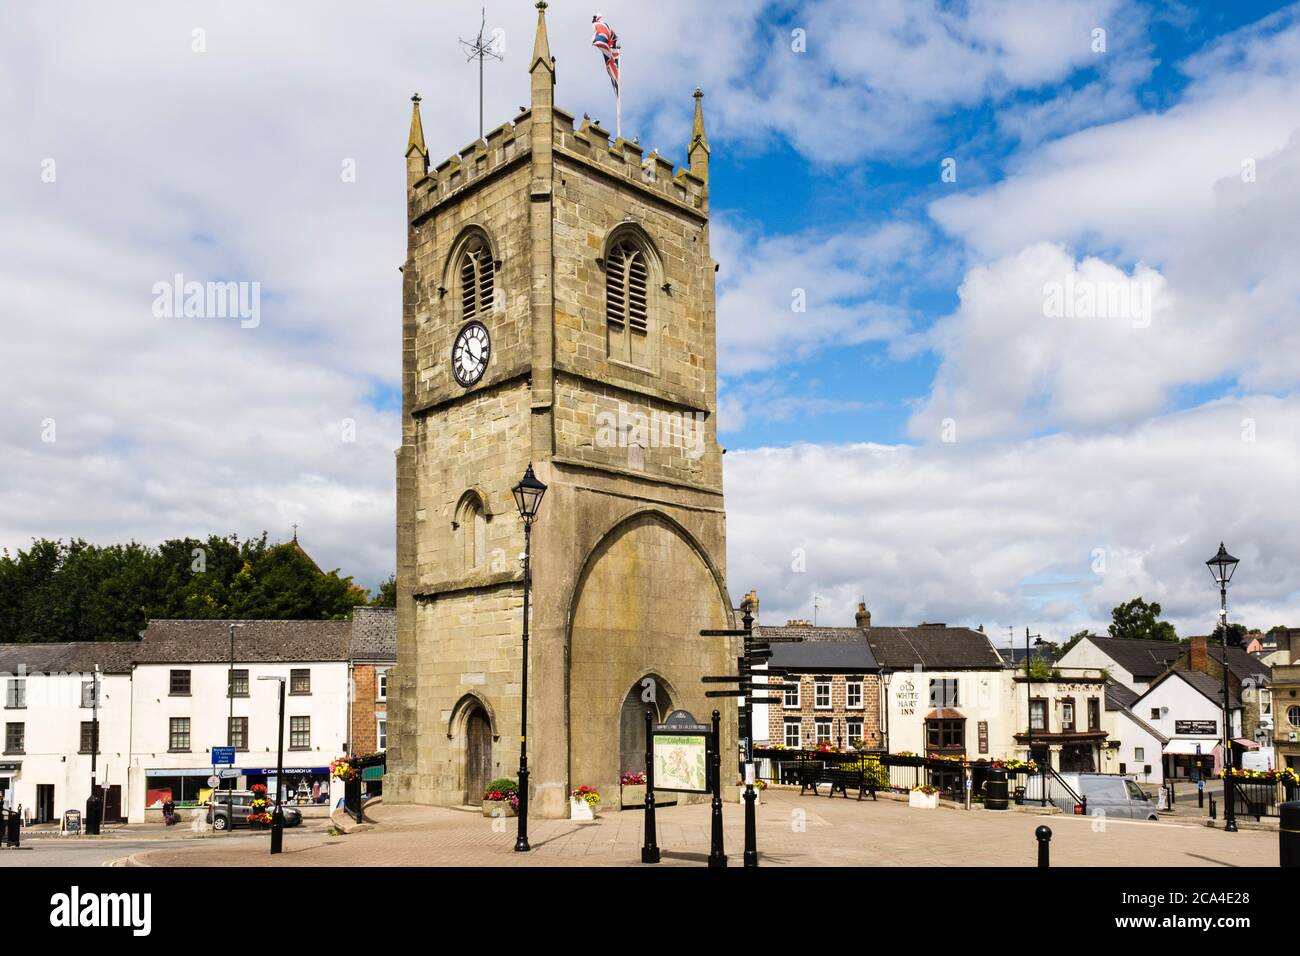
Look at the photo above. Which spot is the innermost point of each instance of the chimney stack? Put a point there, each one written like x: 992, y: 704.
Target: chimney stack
x: 1200, y: 654
x: 751, y: 601
x: 863, y: 617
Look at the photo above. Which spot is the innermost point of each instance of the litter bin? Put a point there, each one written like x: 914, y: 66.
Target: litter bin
x: 995, y: 790
x: 1289, y: 833
x: 13, y: 834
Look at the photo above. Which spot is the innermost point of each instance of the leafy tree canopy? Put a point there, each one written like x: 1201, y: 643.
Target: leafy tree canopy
x: 76, y: 591
x: 1137, y: 620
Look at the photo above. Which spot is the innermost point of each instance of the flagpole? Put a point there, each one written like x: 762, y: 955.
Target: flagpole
x: 618, y: 100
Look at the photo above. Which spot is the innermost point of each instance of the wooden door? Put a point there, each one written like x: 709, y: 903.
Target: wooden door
x: 113, y: 803
x: 478, y: 756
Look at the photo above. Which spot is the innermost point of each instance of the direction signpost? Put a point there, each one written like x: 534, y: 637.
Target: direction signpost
x: 755, y: 653
x: 225, y: 757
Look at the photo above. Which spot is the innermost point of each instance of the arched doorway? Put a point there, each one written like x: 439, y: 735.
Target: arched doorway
x: 649, y: 693
x: 478, y: 755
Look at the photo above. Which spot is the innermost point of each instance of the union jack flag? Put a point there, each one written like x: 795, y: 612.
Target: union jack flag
x: 605, y: 40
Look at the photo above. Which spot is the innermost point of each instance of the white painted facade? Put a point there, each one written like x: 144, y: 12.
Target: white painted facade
x: 1087, y: 656
x: 1070, y: 701
x: 1173, y: 707
x: 157, y: 764
x: 50, y: 772
x: 1139, y: 748
x: 982, y: 699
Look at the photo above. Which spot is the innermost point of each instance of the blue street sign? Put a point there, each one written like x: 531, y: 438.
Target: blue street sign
x: 223, y: 755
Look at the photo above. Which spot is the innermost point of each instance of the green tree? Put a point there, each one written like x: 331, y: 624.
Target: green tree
x: 387, y: 594
x: 1236, y: 634
x: 1138, y: 620
x: 1075, y: 638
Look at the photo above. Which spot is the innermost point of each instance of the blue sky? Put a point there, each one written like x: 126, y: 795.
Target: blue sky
x: 876, y: 390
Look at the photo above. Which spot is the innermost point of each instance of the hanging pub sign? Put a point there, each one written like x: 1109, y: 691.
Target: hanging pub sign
x: 681, y: 754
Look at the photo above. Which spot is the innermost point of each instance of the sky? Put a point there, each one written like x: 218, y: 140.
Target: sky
x: 1005, y: 293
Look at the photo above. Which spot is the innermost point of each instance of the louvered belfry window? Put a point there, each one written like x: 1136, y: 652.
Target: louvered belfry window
x: 626, y: 288
x: 477, y: 273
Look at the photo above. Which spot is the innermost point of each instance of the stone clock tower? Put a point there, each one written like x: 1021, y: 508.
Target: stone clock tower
x: 558, y: 310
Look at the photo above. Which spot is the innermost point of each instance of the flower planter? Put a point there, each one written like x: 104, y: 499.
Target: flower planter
x: 498, y: 808
x: 581, y: 810
x: 631, y: 796
x: 926, y: 801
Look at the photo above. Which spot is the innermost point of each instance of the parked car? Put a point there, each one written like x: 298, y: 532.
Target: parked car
x: 219, y: 807
x: 1113, y: 794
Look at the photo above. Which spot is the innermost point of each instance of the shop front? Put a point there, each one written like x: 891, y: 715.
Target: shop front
x: 1190, y: 758
x: 300, y: 786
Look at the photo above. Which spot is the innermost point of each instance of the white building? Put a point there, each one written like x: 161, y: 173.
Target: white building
x: 1186, y: 708
x: 163, y: 706
x: 1141, y: 745
x: 1135, y: 664
x: 182, y: 710
x: 49, y: 727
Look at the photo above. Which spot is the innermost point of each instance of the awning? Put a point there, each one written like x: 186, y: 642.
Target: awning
x: 1248, y: 744
x: 1181, y: 746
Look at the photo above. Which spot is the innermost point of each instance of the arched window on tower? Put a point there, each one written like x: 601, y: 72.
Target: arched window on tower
x: 471, y: 525
x: 477, y: 279
x: 627, y: 303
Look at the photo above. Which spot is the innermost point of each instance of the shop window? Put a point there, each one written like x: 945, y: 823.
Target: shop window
x: 180, y: 684
x: 945, y: 734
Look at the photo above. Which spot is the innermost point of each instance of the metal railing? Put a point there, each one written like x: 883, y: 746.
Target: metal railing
x: 1256, y: 797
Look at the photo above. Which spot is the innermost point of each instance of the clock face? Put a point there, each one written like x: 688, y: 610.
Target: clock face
x: 469, y: 355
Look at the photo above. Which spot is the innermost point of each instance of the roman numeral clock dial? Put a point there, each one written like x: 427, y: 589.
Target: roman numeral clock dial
x: 469, y: 354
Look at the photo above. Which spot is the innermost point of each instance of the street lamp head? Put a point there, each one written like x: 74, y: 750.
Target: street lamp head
x: 272, y: 677
x: 528, y: 495
x: 1222, y: 565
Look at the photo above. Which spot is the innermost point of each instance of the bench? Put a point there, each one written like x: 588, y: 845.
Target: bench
x: 839, y: 778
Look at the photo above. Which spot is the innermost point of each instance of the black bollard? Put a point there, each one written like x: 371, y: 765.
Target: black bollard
x: 649, y: 849
x: 1044, y: 836
x: 1289, y: 833
x: 1213, y: 815
x: 716, y: 856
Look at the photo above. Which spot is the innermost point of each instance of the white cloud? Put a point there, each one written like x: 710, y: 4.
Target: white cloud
x: 968, y: 532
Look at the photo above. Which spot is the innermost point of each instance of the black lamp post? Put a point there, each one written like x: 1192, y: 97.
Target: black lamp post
x: 1029, y: 676
x: 1222, y: 566
x: 277, y: 814
x: 528, y: 498
x: 95, y: 805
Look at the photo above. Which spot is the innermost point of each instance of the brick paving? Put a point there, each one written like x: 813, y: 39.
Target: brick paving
x: 792, y: 831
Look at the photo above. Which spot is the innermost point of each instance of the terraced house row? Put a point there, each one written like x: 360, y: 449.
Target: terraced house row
x: 150, y: 711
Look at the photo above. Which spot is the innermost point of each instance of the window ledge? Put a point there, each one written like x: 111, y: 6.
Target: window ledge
x: 176, y: 750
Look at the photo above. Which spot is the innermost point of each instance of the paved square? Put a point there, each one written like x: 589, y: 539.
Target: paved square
x: 792, y: 831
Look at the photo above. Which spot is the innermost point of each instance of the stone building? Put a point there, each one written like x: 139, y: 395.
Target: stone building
x: 558, y: 310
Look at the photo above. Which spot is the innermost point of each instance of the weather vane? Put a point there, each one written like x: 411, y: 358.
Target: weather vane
x: 479, y: 49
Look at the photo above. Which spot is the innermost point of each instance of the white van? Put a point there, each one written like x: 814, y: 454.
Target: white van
x: 1108, y: 793
x: 1261, y: 759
